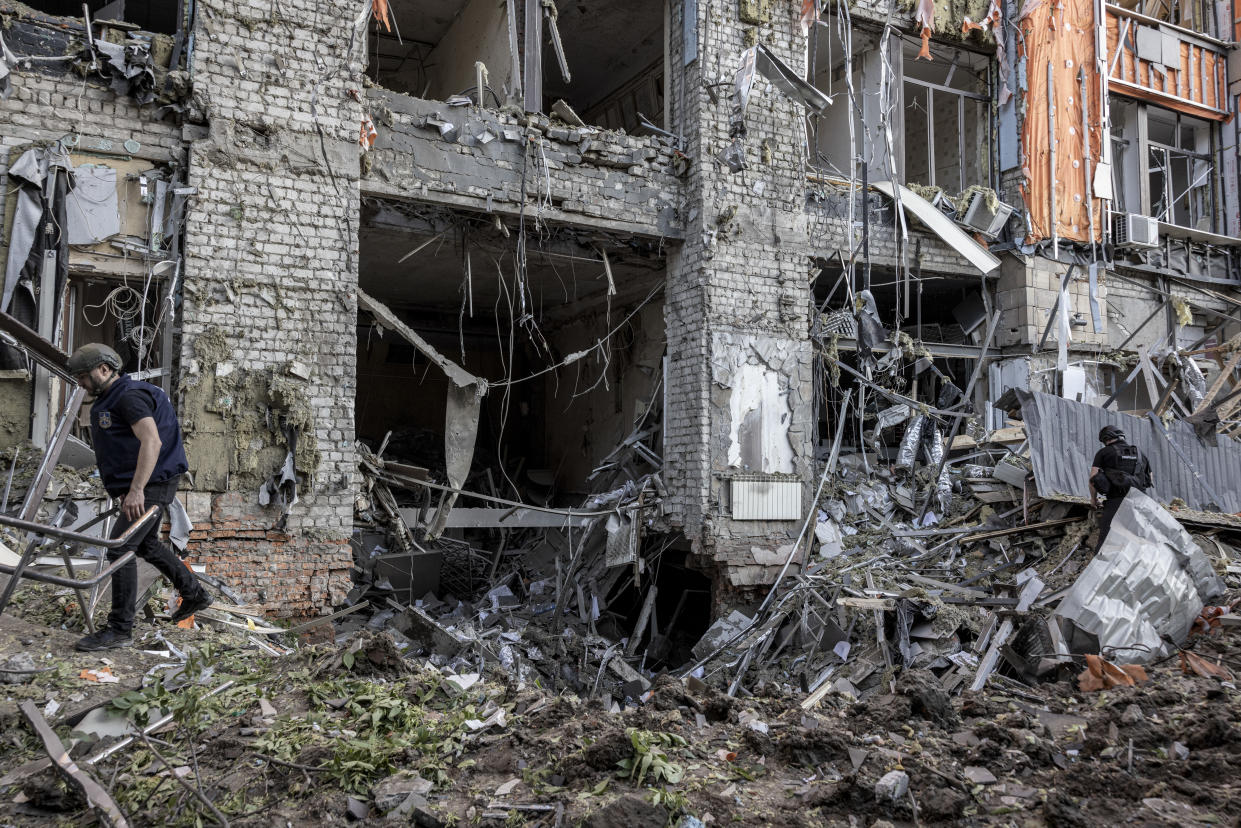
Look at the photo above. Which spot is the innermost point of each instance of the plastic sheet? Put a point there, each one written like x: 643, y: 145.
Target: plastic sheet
x: 1146, y: 585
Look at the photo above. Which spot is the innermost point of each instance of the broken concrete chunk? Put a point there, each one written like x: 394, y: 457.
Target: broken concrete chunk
x: 356, y: 809
x: 720, y: 632
x: 456, y: 685
x: 508, y: 787
x: 391, y: 793
x: 266, y: 709
x: 979, y: 776
x: 12, y: 667
x: 892, y: 786
x: 502, y: 596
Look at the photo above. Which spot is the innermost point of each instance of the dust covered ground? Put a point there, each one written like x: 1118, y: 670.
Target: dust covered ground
x: 332, y: 733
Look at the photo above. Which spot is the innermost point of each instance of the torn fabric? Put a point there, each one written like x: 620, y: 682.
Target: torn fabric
x: 281, y: 487
x: 179, y: 525
x: 26, y: 219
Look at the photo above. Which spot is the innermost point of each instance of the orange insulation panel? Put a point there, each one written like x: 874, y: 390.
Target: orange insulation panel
x: 1196, y: 80
x: 1061, y: 33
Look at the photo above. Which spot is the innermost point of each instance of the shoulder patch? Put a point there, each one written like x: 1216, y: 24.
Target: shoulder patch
x: 105, y: 419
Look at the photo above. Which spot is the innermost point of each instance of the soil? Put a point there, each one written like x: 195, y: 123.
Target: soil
x: 300, y: 734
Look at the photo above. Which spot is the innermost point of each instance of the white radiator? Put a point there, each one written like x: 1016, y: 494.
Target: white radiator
x: 756, y: 498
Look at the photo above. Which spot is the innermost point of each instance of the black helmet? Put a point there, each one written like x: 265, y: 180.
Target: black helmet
x: 88, y: 356
x: 1110, y: 433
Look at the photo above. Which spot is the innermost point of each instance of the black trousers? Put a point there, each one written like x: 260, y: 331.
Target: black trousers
x: 146, y: 544
x: 1110, y: 507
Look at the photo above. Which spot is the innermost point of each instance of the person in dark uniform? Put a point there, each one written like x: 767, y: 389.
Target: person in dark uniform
x: 1117, y: 468
x: 137, y: 442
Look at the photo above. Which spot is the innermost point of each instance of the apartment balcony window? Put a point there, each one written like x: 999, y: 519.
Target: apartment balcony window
x: 937, y: 112
x: 947, y: 104
x: 1166, y: 165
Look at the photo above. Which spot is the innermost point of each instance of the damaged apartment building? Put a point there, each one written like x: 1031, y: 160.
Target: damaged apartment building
x: 610, y: 284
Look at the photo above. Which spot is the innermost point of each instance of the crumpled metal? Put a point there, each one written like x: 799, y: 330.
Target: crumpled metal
x: 935, y: 456
x: 907, y: 454
x: 1142, y: 592
x: 908, y: 613
x: 1195, y: 382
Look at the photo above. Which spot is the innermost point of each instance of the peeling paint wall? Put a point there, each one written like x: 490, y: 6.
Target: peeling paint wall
x: 752, y: 372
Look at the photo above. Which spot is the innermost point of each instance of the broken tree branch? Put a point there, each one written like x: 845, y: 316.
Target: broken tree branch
x: 193, y: 789
x: 96, y: 797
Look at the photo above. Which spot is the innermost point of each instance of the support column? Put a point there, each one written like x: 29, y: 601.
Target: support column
x: 269, y: 298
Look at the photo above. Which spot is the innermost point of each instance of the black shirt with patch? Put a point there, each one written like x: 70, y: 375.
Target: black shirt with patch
x: 1109, y: 457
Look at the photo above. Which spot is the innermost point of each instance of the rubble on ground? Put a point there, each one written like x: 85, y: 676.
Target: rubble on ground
x: 943, y: 646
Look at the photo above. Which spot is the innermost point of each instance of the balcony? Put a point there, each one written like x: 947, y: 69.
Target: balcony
x: 1166, y: 64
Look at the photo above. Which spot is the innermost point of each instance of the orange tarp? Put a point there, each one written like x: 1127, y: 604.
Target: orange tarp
x: 1061, y: 33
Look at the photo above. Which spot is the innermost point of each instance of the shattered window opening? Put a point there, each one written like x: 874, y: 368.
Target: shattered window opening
x: 603, y: 66
x: 160, y: 16
x: 941, y: 120
x: 947, y: 118
x: 1180, y: 168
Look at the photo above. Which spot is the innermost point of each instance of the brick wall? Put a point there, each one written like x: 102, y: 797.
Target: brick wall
x: 1027, y: 293
x: 742, y: 274
x: 270, y: 293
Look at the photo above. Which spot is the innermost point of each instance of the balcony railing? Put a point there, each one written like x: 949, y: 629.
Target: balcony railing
x: 1166, y: 64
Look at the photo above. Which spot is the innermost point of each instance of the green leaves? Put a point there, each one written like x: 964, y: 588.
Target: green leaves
x: 650, y: 757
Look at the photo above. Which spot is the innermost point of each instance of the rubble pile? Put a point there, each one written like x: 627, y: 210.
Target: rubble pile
x: 947, y: 642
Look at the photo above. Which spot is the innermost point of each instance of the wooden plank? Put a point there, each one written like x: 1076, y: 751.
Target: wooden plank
x: 1224, y: 375
x: 96, y: 797
x: 931, y: 582
x: 867, y: 603
x: 1014, y: 434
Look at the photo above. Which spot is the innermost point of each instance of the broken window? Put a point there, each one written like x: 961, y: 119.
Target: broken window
x: 947, y: 103
x: 161, y: 16
x: 1165, y: 166
x: 606, y: 62
x: 567, y: 334
x: 1181, y: 167
x: 939, y: 119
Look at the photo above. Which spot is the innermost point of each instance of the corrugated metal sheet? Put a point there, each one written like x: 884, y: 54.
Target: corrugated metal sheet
x: 1064, y: 436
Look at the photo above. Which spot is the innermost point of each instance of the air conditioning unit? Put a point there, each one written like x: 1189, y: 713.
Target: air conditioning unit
x: 1134, y: 230
x: 981, y: 218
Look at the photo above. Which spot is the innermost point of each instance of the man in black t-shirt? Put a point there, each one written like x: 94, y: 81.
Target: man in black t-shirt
x: 1116, y: 468
x: 137, y: 442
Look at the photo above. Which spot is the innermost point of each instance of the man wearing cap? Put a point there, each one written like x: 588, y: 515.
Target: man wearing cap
x: 1117, y: 468
x: 137, y: 442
